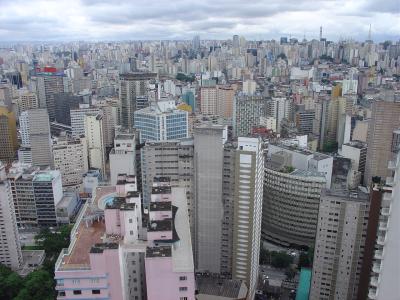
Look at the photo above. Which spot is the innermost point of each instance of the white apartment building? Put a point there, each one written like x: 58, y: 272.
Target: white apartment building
x: 95, y: 142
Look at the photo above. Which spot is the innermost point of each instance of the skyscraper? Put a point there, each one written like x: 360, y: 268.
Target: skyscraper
x: 209, y: 209
x: 247, y: 111
x: 94, y: 135
x: 385, y: 119
x: 339, y: 245
x: 10, y: 248
x: 47, y: 86
x: 249, y: 175
x: 196, y: 42
x: 161, y: 121
x: 132, y: 87
x: 35, y: 133
x: 8, y: 135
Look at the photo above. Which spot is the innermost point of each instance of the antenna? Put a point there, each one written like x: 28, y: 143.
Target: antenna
x: 320, y: 33
x: 369, y: 33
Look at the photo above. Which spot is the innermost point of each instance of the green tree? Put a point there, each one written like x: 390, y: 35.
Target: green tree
x: 38, y: 285
x: 282, y: 56
x: 304, y: 261
x: 10, y: 283
x: 281, y: 259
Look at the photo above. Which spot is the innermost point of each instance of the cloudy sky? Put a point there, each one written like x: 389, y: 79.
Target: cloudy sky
x: 57, y: 20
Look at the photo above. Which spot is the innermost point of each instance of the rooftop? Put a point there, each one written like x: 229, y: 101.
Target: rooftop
x: 124, y: 137
x: 160, y: 225
x: 228, y: 288
x: 160, y: 251
x: 160, y: 206
x: 161, y: 190
x: 348, y: 195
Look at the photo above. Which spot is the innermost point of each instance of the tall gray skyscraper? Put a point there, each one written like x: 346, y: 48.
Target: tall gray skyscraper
x: 209, y: 143
x: 35, y: 133
x: 133, y: 87
x: 196, y: 42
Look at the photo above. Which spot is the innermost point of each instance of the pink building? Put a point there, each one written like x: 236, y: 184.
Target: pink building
x: 114, y: 256
x: 169, y: 258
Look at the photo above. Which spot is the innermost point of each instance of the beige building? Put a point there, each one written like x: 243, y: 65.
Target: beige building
x: 27, y: 100
x: 385, y: 119
x: 339, y: 245
x: 94, y: 134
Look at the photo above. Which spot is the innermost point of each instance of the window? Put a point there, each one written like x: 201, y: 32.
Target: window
x: 182, y: 288
x: 76, y: 281
x: 183, y: 298
x: 181, y: 278
x: 96, y: 292
x: 61, y: 293
x: 130, y: 220
x: 77, y: 292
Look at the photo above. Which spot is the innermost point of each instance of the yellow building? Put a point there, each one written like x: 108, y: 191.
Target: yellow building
x: 8, y: 135
x: 185, y: 107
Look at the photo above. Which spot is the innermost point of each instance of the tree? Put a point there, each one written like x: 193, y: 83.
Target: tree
x: 280, y: 259
x: 38, y: 285
x: 304, y: 261
x: 290, y: 273
x: 10, y: 283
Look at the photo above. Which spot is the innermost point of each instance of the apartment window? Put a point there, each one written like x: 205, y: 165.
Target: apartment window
x: 61, y: 293
x: 182, y: 288
x: 183, y: 298
x: 130, y: 220
x: 77, y: 292
x: 181, y: 278
x: 131, y: 232
x: 96, y: 292
x: 75, y: 281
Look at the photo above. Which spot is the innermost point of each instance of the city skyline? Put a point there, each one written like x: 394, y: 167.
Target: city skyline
x: 97, y: 20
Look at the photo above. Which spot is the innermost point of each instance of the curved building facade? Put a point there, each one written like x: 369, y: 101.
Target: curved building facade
x: 290, y: 207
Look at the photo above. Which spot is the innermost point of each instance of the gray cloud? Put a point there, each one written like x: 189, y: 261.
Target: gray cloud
x: 181, y: 19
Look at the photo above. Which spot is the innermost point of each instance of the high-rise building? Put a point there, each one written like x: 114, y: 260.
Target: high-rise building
x: 208, y: 100
x: 161, y: 121
x: 8, y: 135
x: 35, y: 133
x: 132, y: 87
x: 339, y: 246
x: 123, y: 155
x: 249, y: 175
x: 78, y: 119
x: 10, y: 248
x: 196, y: 43
x: 279, y: 108
x: 225, y: 96
x: 123, y: 259
x: 27, y: 100
x: 47, y: 86
x: 94, y: 135
x: 210, y: 207
x: 71, y: 159
x: 247, y: 111
x: 291, y: 202
x: 385, y: 119
x: 384, y: 265
x: 47, y: 190
x: 64, y: 102
x: 357, y: 152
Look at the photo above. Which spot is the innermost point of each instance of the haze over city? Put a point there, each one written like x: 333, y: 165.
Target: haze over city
x: 71, y: 20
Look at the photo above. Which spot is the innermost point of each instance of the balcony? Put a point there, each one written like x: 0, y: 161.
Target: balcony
x: 381, y: 240
x: 376, y: 267
x: 374, y: 281
x: 372, y: 294
x: 385, y: 211
x: 389, y: 181
x: 383, y: 226
x: 392, y: 165
x: 378, y: 254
